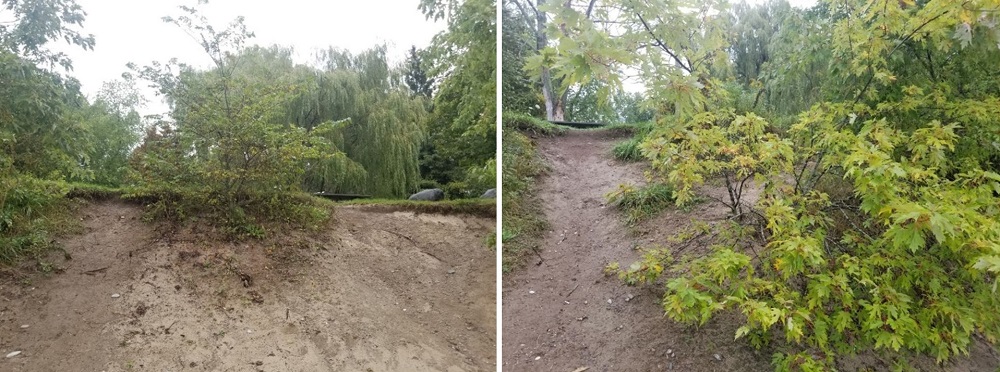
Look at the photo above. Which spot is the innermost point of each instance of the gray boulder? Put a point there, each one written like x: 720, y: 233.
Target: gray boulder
x: 428, y: 195
x: 489, y: 194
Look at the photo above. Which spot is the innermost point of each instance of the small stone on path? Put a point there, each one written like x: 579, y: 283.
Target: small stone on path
x: 115, y: 295
x: 14, y: 354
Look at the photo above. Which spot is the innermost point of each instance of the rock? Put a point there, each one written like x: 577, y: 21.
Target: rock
x: 538, y: 357
x: 718, y: 357
x: 115, y: 295
x: 452, y: 271
x: 428, y: 195
x: 489, y: 194
x: 14, y: 354
x: 25, y: 326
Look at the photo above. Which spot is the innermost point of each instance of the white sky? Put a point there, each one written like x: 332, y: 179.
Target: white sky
x: 132, y: 31
x: 632, y: 84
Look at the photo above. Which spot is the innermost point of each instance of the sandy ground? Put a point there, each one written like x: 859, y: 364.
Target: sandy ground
x: 375, y: 292
x: 560, y: 312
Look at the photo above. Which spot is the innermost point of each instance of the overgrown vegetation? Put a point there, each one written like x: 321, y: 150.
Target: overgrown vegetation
x: 523, y: 222
x: 628, y: 150
x: 529, y: 124
x: 869, y: 130
x: 641, y: 203
x: 475, y: 207
x: 245, y: 136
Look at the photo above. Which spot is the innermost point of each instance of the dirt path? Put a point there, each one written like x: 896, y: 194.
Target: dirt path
x: 564, y: 313
x: 375, y: 292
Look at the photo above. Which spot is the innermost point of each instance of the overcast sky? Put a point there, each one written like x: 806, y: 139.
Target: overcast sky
x: 632, y: 83
x: 132, y: 31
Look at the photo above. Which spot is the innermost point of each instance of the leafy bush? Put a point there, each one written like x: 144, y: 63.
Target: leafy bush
x: 481, y: 178
x: 225, y: 158
x: 428, y: 184
x: 457, y: 190
x: 892, y: 98
x: 25, y: 203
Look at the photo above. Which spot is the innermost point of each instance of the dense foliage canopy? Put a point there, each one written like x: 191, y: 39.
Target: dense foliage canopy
x: 870, y: 127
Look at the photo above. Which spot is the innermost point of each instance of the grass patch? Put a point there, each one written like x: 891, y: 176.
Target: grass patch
x: 641, y: 203
x: 523, y: 220
x: 628, y: 150
x: 475, y: 207
x: 530, y: 124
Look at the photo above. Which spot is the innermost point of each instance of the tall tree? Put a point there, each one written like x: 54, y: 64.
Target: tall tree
x: 518, y: 89
x: 416, y: 78
x: 554, y: 97
x: 462, y: 126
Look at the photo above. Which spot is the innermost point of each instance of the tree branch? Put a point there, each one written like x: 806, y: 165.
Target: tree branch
x: 661, y: 44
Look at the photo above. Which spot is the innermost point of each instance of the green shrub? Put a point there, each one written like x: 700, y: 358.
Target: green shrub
x: 428, y: 184
x: 31, y: 212
x: 457, y: 190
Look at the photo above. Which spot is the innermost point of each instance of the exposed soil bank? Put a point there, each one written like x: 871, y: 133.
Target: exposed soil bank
x: 375, y: 292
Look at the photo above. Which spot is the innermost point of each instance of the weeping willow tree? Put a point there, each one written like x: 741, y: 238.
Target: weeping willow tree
x: 384, y: 130
x: 370, y: 125
x: 752, y: 32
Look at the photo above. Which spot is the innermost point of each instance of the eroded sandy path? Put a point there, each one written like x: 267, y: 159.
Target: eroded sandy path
x: 563, y: 313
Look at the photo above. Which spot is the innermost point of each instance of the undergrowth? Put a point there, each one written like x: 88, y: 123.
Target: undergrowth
x: 640, y: 203
x: 474, y: 207
x: 530, y: 124
x: 33, y: 212
x: 247, y: 215
x: 523, y: 222
x: 628, y: 150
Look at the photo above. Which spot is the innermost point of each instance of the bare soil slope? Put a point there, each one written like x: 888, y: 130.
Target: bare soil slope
x: 377, y: 291
x: 561, y: 313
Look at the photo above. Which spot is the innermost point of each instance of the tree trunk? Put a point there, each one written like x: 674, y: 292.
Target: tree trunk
x: 559, y: 111
x: 541, y: 41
